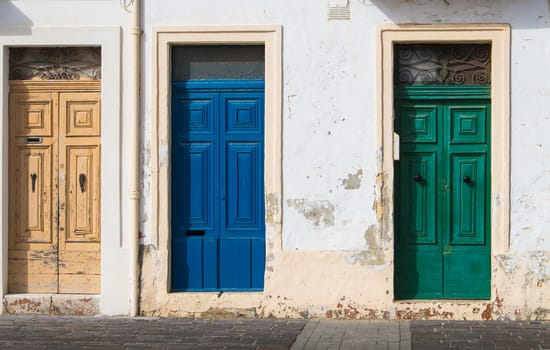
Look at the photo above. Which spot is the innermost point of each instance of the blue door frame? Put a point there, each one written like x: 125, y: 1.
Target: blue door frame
x: 217, y: 182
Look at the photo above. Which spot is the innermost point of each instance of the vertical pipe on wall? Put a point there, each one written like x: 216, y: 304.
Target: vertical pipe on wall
x: 4, y: 137
x: 133, y: 166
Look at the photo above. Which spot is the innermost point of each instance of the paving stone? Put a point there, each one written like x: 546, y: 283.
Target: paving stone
x: 62, y: 332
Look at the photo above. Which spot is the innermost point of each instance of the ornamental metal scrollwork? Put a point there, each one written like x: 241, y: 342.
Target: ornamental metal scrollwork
x: 460, y: 64
x: 55, y: 63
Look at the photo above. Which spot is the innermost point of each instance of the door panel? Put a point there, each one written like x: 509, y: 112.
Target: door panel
x: 32, y: 194
x: 239, y: 263
x: 418, y: 198
x: 468, y: 199
x: 83, y: 186
x: 468, y: 123
x: 195, y: 263
x: 242, y: 187
x: 418, y: 122
x: 81, y: 114
x: 442, y: 184
x: 194, y: 185
x: 467, y: 274
x: 419, y: 272
x: 218, y: 233
x: 33, y: 113
x: 195, y: 113
x: 242, y: 113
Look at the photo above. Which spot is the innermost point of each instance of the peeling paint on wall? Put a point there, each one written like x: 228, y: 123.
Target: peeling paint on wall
x: 353, y: 181
x: 271, y: 207
x: 424, y: 314
x: 320, y: 213
x: 373, y: 255
x: 507, y: 263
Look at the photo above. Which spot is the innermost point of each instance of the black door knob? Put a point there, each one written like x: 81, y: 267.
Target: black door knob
x: 418, y: 178
x: 466, y: 179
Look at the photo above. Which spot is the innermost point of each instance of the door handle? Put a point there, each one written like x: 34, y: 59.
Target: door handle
x: 33, y: 181
x: 467, y: 180
x: 418, y: 178
x: 82, y: 182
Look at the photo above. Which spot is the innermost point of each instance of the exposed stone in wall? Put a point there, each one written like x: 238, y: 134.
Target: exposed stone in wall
x: 51, y: 304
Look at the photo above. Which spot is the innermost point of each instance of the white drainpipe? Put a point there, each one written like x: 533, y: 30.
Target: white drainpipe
x: 133, y: 167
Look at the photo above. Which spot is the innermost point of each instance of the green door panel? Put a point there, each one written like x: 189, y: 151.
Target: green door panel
x: 420, y: 272
x: 467, y: 275
x: 418, y: 197
x: 418, y: 122
x: 468, y: 199
x: 442, y: 194
x: 468, y: 122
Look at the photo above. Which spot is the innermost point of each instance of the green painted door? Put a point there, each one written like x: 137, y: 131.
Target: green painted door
x: 442, y: 193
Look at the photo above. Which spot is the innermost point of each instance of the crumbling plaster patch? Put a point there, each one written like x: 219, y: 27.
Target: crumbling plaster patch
x: 271, y: 207
x: 373, y: 255
x: 319, y: 212
x: 353, y: 181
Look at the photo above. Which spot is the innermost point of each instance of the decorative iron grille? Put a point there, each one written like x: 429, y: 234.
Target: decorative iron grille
x: 442, y: 64
x: 55, y: 63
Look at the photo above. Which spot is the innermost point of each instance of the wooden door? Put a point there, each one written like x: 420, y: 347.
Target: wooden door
x: 218, y: 229
x: 442, y: 184
x: 54, y: 241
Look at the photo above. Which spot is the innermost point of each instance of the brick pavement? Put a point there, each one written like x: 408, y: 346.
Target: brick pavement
x: 354, y: 335
x: 82, y: 333
x: 466, y: 335
x: 65, y: 332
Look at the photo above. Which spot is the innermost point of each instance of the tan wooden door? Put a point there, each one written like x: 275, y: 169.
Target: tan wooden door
x: 54, y: 238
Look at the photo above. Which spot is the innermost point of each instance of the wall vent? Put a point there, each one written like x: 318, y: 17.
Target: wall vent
x: 339, y: 12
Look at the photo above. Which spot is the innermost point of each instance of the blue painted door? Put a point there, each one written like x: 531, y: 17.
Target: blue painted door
x: 218, y: 228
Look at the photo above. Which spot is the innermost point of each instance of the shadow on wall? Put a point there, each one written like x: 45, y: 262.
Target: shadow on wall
x: 523, y: 14
x: 12, y: 20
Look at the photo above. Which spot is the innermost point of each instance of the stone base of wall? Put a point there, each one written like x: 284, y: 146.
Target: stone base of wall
x: 50, y: 304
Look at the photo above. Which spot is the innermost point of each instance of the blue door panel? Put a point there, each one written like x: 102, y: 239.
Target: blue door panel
x: 243, y: 112
x: 195, y: 113
x: 210, y: 264
x: 194, y: 186
x: 235, y: 264
x: 194, y: 267
x: 218, y: 229
x: 257, y: 269
x: 244, y: 190
x: 186, y: 264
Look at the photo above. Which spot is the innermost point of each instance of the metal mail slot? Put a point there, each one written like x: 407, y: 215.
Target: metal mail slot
x: 33, y: 140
